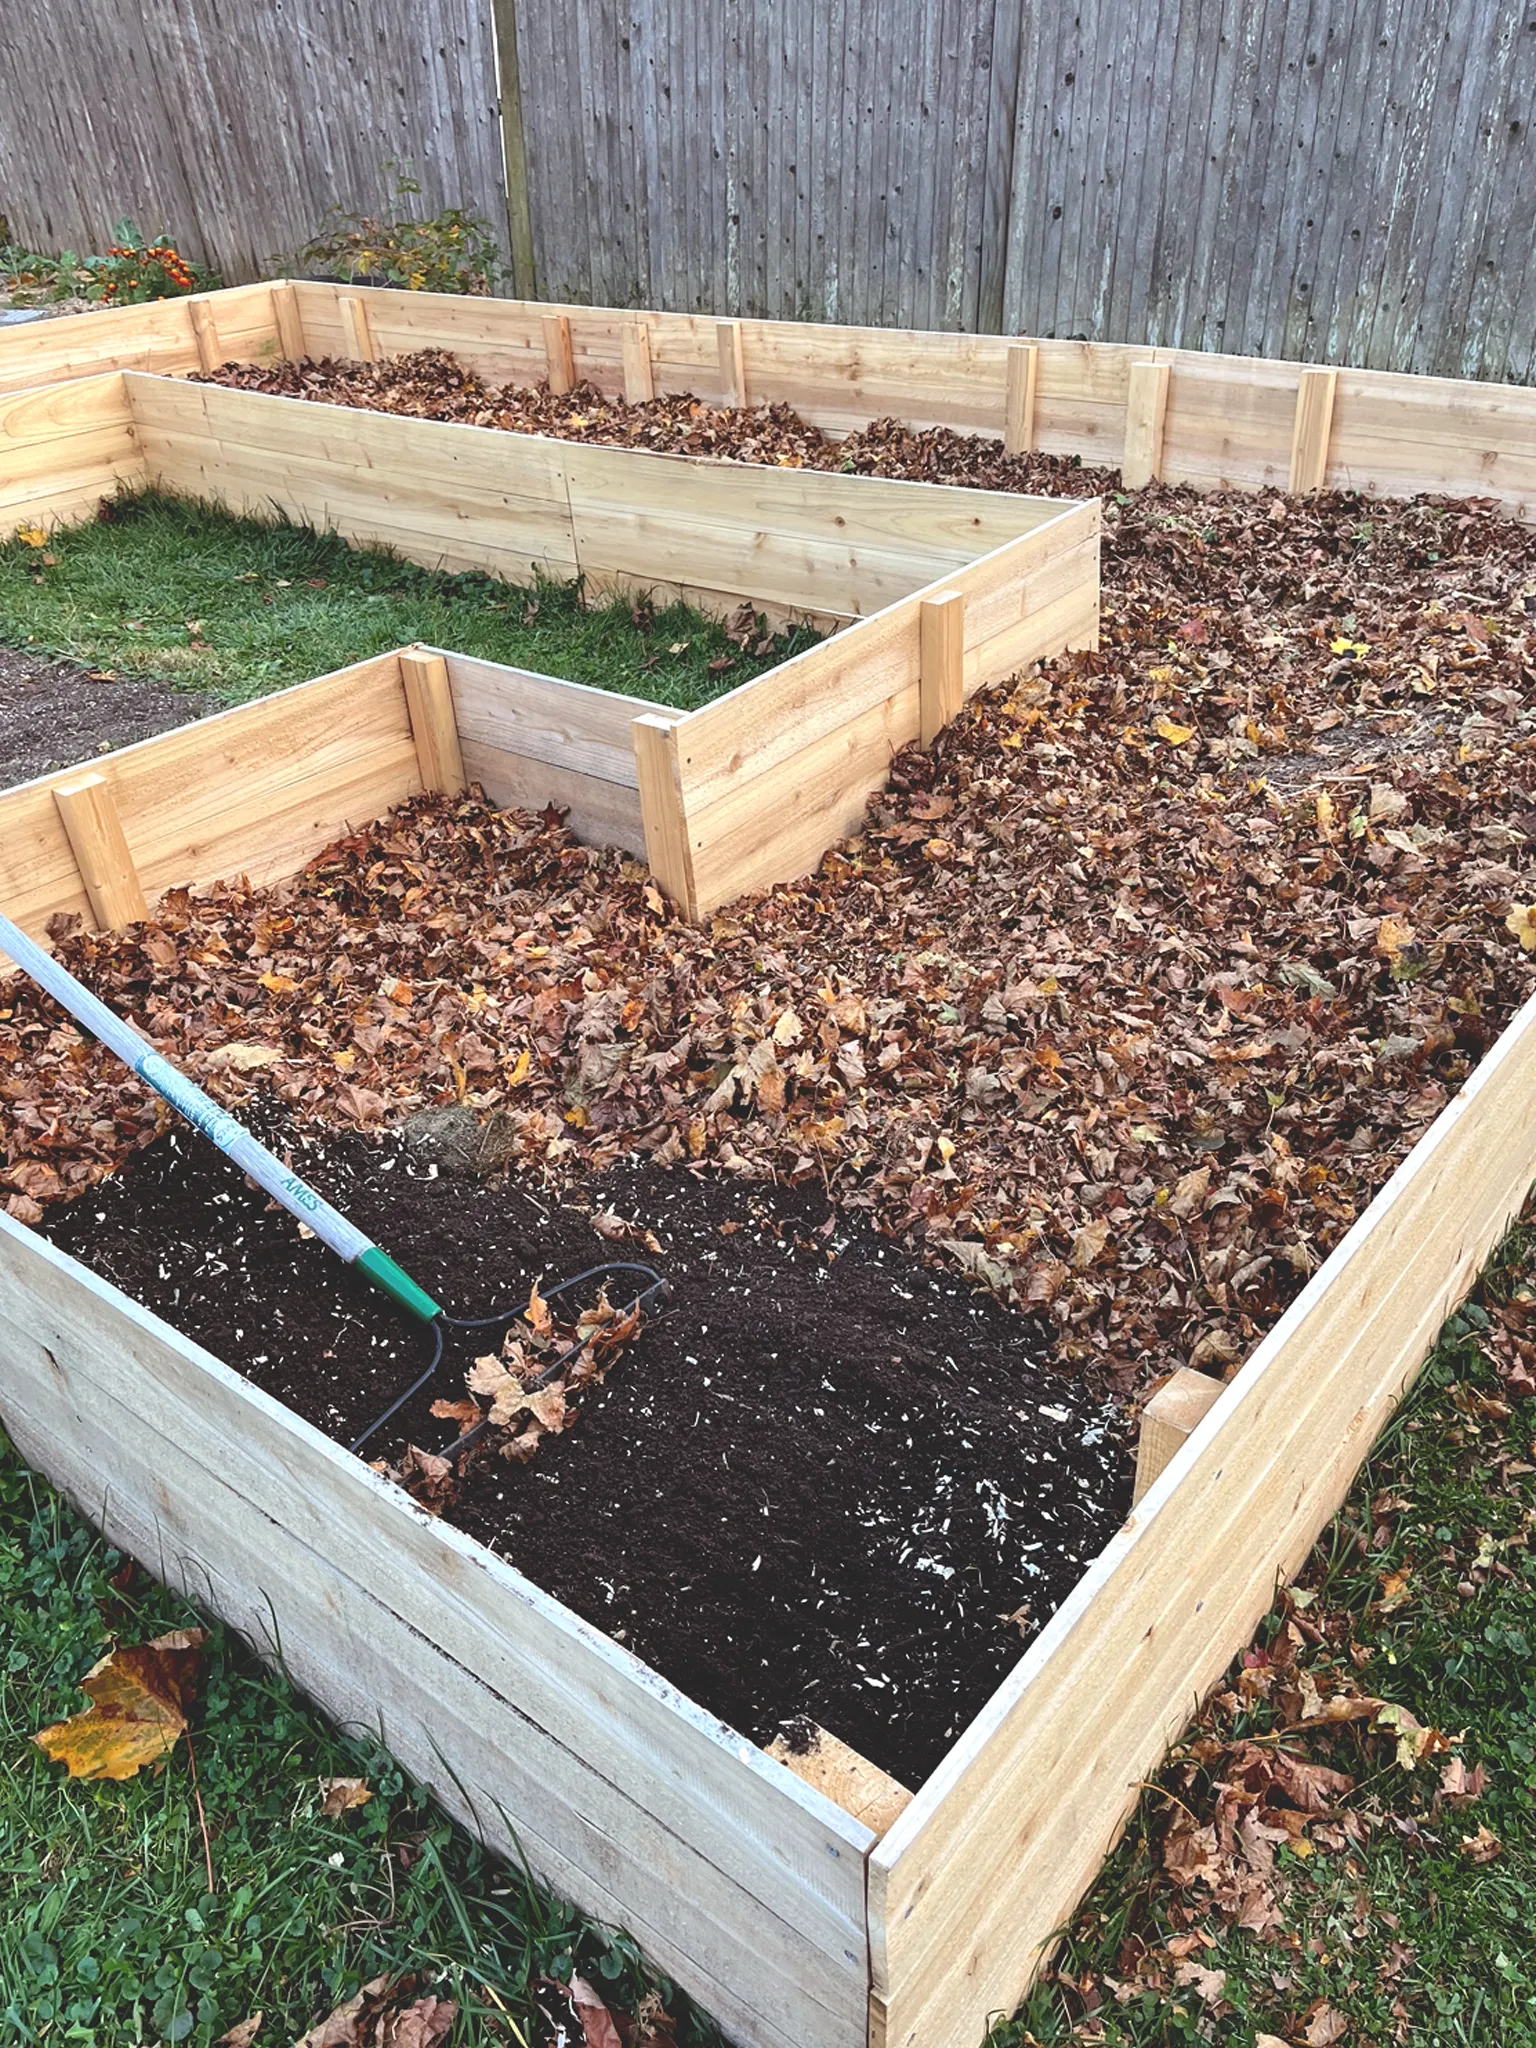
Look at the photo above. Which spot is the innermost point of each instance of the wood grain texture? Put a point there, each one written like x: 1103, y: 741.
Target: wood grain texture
x: 1019, y: 399
x: 157, y: 337
x: 434, y: 728
x: 288, y: 322
x: 257, y: 790
x: 743, y: 1884
x: 1168, y: 1420
x: 973, y: 1881
x: 356, y: 334
x: 849, y: 1780
x: 61, y: 444
x: 667, y: 847
x: 1315, y: 393
x: 1146, y: 402
x: 941, y: 662
x: 205, y: 331
x: 532, y: 740
x: 239, y: 136
x: 94, y: 830
x: 559, y: 363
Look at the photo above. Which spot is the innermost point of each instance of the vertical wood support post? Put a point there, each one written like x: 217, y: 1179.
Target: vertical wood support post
x: 1172, y: 1415
x: 733, y: 362
x: 205, y: 333
x: 667, y: 851
x: 1312, y: 429
x: 559, y: 358
x: 941, y: 662
x: 639, y: 373
x: 434, y: 727
x: 88, y: 812
x: 514, y: 149
x: 357, y: 335
x: 289, y: 322
x: 1145, y: 407
x: 1019, y: 416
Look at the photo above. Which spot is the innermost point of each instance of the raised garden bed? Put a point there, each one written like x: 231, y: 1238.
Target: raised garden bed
x: 1180, y: 415
x: 940, y: 591
x: 794, y: 1920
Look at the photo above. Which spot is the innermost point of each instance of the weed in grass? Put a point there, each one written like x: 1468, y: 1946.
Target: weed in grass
x: 109, y: 1932
x: 1424, y: 1588
x: 174, y: 590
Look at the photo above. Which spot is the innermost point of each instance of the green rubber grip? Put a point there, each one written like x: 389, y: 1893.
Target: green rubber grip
x: 390, y: 1279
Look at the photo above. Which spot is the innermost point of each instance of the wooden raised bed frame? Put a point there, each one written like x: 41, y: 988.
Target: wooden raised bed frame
x: 1178, y: 414
x: 747, y: 791
x: 794, y: 1922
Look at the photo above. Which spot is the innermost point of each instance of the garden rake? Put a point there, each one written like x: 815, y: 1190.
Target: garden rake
x: 241, y: 1146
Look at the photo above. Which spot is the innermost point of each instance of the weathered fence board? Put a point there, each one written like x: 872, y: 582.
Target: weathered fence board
x: 235, y: 129
x: 1349, y: 182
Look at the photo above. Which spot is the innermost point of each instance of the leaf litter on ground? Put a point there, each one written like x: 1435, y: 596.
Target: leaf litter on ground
x: 1131, y: 1030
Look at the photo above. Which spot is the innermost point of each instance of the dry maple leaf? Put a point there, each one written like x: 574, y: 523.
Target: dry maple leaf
x: 1458, y: 1785
x: 140, y: 1699
x: 338, y: 1794
x: 1481, y: 1847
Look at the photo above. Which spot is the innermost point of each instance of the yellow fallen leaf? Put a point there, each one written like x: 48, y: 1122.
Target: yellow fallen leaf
x: 1343, y: 646
x: 140, y: 1698
x: 32, y: 536
x: 1392, y: 935
x: 1521, y: 925
x: 1175, y: 735
x: 519, y: 1073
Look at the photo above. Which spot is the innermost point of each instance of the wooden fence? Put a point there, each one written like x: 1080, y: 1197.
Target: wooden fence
x: 1348, y: 183
x: 237, y: 129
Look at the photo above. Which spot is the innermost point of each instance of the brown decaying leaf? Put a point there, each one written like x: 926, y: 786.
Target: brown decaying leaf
x: 337, y: 1795
x: 243, y: 2035
x: 141, y: 1697
x: 388, y: 2012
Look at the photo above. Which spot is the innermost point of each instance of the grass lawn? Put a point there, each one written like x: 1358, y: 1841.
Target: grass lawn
x: 1405, y: 1913
x: 110, y: 1934
x: 180, y: 592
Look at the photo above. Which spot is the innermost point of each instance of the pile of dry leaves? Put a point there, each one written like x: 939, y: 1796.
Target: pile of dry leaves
x: 432, y: 384
x: 1131, y: 995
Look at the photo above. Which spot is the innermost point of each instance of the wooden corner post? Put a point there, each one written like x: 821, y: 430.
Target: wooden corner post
x: 941, y: 662
x: 88, y: 812
x: 1019, y: 405
x: 559, y: 358
x: 288, y: 322
x: 1146, y: 405
x: 1168, y: 1421
x: 1312, y: 429
x: 733, y: 362
x: 205, y: 333
x: 639, y: 372
x: 357, y: 335
x: 667, y: 851
x: 434, y: 727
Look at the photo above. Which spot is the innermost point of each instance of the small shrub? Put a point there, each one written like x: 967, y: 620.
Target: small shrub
x: 455, y: 251
x: 135, y: 270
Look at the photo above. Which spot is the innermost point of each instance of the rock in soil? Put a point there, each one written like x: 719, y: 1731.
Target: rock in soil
x: 826, y: 1481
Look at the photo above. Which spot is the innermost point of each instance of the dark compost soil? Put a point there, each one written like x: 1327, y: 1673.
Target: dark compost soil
x: 54, y: 714
x: 827, y: 1480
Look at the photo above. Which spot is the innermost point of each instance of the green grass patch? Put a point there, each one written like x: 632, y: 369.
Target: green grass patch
x: 182, y: 592
x: 109, y: 1932
x: 1424, y: 1592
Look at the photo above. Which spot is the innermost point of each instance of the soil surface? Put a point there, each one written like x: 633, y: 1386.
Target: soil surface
x: 54, y: 714
x: 824, y: 1480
